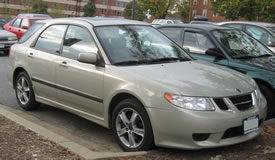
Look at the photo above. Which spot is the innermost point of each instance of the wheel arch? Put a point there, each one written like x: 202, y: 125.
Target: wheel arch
x: 118, y: 98
x: 15, y: 74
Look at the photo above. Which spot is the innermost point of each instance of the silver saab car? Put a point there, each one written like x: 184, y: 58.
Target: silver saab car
x: 127, y: 76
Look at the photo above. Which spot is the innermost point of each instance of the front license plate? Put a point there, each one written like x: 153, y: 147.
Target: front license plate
x: 2, y: 46
x: 251, y: 124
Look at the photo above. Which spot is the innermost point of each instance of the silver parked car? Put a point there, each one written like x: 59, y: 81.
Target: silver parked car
x: 127, y: 76
x: 6, y: 40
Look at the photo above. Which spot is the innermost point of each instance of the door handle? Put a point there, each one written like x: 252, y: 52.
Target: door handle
x: 30, y: 55
x: 63, y: 64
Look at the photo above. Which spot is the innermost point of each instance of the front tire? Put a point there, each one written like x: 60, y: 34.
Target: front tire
x: 270, y: 98
x: 24, y: 92
x: 131, y: 126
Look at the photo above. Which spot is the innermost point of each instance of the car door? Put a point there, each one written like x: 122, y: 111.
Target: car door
x: 14, y: 26
x: 42, y: 60
x: 198, y: 43
x: 79, y: 85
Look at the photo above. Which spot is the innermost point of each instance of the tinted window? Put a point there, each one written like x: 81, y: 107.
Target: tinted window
x: 77, y: 40
x: 17, y: 22
x: 24, y: 22
x: 237, y: 26
x: 172, y: 33
x: 30, y: 32
x: 258, y: 33
x: 197, y: 42
x: 50, y: 40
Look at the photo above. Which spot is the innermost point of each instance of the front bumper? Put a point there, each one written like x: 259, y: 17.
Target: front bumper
x: 5, y: 45
x: 178, y: 128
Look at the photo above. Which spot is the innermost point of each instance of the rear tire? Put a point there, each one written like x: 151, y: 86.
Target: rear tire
x: 24, y: 92
x: 131, y: 126
x: 270, y: 98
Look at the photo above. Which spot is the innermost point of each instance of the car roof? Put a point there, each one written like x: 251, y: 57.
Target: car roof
x: 205, y: 27
x: 98, y: 21
x: 33, y: 15
x: 252, y: 23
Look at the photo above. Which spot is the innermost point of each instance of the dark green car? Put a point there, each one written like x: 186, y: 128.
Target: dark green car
x: 231, y: 48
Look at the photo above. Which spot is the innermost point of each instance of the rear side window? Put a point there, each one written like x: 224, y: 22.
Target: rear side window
x: 172, y: 33
x: 17, y: 22
x: 77, y: 40
x: 25, y: 22
x: 30, y: 32
x: 50, y: 40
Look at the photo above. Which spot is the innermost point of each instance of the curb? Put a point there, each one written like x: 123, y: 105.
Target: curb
x: 64, y: 142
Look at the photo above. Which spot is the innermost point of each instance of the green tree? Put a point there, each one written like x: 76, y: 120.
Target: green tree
x: 183, y: 9
x: 89, y: 9
x: 139, y: 13
x: 57, y: 12
x: 40, y: 7
x: 28, y: 5
x: 249, y: 9
x: 157, y: 8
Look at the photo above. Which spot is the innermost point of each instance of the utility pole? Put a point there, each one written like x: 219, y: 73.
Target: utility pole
x: 133, y: 8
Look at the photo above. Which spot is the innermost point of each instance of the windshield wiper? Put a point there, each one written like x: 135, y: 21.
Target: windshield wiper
x: 265, y: 55
x: 168, y: 59
x: 245, y: 57
x: 131, y: 62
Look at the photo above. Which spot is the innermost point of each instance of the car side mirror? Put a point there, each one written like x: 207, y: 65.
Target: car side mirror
x: 25, y: 27
x: 216, y: 52
x: 91, y: 58
x: 271, y: 43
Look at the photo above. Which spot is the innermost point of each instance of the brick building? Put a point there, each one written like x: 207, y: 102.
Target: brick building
x: 203, y: 8
x: 70, y: 8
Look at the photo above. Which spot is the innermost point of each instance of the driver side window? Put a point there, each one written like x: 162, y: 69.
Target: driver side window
x: 196, y: 42
x: 77, y: 40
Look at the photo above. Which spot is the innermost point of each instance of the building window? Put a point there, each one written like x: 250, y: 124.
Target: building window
x: 105, y: 2
x: 205, y: 2
x: 6, y: 1
x: 204, y: 12
x: 68, y: 7
x: 118, y: 13
x: 121, y: 4
x: 194, y: 13
x: 195, y: 2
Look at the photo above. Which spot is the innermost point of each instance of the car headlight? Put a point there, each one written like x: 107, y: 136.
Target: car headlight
x: 12, y: 38
x: 192, y: 103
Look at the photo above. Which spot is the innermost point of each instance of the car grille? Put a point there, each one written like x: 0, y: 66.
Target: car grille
x: 4, y: 38
x: 220, y: 103
x: 242, y: 102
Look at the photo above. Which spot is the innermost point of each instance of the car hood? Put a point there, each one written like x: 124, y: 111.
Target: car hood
x: 191, y: 78
x: 4, y: 33
x: 267, y: 63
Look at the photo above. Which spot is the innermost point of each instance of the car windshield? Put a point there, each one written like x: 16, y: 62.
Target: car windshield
x: 240, y: 45
x: 133, y: 45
